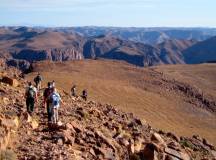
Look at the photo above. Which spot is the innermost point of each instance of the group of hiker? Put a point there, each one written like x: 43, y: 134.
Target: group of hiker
x: 51, y: 98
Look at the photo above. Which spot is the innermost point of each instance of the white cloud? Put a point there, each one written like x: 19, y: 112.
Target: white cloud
x: 59, y: 5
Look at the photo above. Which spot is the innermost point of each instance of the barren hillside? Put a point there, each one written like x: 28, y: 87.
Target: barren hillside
x: 88, y: 130
x: 184, y: 104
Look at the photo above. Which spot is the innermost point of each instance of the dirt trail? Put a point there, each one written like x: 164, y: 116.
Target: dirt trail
x: 39, y: 142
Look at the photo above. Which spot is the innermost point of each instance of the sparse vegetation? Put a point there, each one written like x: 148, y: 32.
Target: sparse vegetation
x: 186, y: 143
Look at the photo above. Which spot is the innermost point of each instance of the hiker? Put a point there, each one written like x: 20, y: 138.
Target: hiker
x: 47, y: 92
x: 84, y: 94
x: 73, y: 90
x: 38, y: 80
x: 31, y: 97
x: 56, y: 99
x: 53, y: 84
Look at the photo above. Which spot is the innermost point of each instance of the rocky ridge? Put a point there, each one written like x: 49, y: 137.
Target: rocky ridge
x: 21, y: 46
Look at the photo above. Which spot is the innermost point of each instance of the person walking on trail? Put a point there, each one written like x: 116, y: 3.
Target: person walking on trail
x: 53, y: 84
x: 31, y: 97
x: 56, y: 99
x: 84, y: 94
x: 47, y: 102
x: 38, y: 80
x: 73, y: 91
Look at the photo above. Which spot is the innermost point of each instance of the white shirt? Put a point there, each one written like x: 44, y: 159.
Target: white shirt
x: 34, y: 89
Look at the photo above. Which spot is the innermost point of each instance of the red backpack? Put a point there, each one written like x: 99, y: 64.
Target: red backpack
x: 47, y: 93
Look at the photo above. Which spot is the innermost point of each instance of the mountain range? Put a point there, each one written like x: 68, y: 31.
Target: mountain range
x: 146, y: 35
x: 20, y: 46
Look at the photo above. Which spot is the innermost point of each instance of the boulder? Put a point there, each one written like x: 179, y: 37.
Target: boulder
x: 156, y: 138
x: 34, y: 124
x: 68, y: 137
x: 92, y: 152
x: 173, y: 136
x: 131, y: 147
x: 123, y: 141
x: 11, y: 81
x: 138, y: 145
x: 76, y: 127
x: 211, y: 146
x: 214, y: 154
x: 149, y: 152
x: 176, y: 154
x: 26, y: 116
x: 5, y: 100
x: 107, y: 153
x: 174, y: 145
x: 169, y: 157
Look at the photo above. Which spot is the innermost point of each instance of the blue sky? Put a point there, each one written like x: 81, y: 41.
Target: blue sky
x: 123, y: 13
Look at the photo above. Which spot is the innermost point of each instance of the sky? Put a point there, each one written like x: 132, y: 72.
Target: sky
x: 119, y: 13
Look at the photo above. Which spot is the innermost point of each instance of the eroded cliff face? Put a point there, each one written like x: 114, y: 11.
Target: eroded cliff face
x: 64, y: 54
x: 53, y: 54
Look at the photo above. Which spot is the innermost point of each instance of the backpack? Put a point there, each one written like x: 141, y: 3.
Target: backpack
x: 31, y: 93
x: 37, y: 79
x: 84, y: 93
x: 55, y: 99
x: 47, y: 93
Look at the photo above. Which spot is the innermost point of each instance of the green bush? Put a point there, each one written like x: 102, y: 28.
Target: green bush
x: 187, y: 144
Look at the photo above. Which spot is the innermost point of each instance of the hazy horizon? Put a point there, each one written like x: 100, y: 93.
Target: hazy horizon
x: 109, y: 13
x: 146, y: 27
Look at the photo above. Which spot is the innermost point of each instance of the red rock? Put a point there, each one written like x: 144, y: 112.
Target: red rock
x: 157, y: 138
x: 176, y: 154
x: 68, y: 138
x: 123, y: 141
x: 92, y: 152
x: 76, y: 127
x: 10, y: 81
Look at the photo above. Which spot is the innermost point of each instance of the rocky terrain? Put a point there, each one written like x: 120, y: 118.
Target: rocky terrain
x: 201, y: 52
x: 176, y: 98
x: 88, y: 130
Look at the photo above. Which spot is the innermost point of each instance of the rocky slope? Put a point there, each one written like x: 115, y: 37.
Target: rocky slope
x: 168, y: 52
x: 171, y: 50
x: 114, y: 48
x: 204, y: 51
x: 89, y: 130
x: 30, y: 44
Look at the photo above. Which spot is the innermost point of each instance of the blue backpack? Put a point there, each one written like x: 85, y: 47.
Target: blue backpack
x: 55, y: 99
